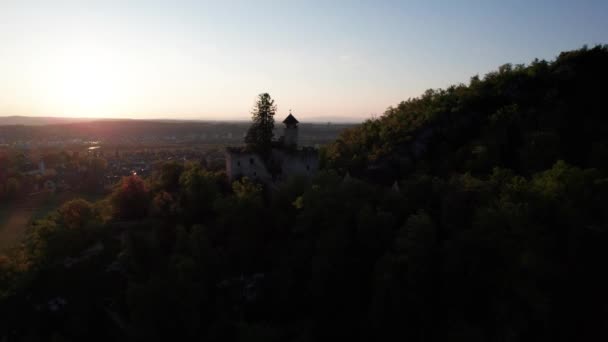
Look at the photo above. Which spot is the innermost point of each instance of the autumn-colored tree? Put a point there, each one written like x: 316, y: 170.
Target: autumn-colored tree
x: 130, y: 200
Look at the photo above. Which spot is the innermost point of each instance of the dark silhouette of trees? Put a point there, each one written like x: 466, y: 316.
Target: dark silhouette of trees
x: 131, y: 199
x: 76, y: 213
x: 260, y: 134
x: 519, y: 117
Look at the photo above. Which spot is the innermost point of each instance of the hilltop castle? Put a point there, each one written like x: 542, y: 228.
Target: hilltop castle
x: 286, y: 159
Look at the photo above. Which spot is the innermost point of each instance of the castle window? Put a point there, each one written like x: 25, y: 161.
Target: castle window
x: 255, y: 174
x: 307, y: 167
x: 251, y: 161
x: 238, y: 163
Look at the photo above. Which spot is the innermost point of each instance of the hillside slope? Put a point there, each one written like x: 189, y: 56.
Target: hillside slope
x: 519, y: 117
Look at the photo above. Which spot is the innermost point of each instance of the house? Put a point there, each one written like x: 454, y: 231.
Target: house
x: 286, y: 159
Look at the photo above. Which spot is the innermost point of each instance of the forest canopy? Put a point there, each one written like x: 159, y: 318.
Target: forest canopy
x: 521, y: 117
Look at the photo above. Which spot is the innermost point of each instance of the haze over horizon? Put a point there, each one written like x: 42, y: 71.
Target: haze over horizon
x: 209, y: 60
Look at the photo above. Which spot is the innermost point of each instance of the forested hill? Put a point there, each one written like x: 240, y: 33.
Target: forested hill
x: 495, y: 230
x: 520, y: 117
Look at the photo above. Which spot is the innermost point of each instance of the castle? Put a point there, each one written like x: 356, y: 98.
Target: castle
x: 286, y: 159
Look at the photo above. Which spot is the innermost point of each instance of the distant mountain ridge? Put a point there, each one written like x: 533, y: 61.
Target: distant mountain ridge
x: 38, y: 120
x: 49, y: 120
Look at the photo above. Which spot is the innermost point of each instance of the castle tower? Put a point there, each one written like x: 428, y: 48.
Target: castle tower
x: 290, y: 132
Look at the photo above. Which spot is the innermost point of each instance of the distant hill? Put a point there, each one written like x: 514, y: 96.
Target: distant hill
x: 48, y: 120
x: 37, y: 120
x: 333, y: 119
x: 112, y: 131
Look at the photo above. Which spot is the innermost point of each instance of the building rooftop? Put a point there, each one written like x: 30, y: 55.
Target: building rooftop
x: 290, y: 119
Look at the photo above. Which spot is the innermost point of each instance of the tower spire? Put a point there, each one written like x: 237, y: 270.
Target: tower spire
x: 291, y: 130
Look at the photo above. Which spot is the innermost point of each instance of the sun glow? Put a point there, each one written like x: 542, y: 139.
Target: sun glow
x: 84, y: 82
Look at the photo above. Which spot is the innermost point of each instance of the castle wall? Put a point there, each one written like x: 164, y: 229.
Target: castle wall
x: 300, y: 164
x: 290, y: 135
x: 243, y: 164
x: 240, y: 163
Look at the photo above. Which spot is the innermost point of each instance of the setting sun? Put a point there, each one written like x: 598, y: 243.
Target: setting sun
x: 83, y: 82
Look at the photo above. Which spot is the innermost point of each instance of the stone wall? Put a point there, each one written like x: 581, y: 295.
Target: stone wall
x: 292, y: 163
x: 246, y: 164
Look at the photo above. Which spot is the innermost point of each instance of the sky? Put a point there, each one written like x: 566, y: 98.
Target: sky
x: 344, y: 60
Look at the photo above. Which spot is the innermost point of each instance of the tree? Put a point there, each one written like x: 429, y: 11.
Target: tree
x: 164, y: 205
x: 76, y: 213
x: 246, y: 189
x: 130, y: 200
x: 169, y: 175
x: 199, y: 191
x: 259, y: 136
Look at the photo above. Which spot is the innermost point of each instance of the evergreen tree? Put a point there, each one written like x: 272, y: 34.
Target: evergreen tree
x: 259, y: 136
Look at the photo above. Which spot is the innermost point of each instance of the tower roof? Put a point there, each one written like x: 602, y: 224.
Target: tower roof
x: 290, y: 119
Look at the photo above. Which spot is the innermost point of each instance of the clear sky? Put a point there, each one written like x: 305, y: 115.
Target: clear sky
x: 209, y: 59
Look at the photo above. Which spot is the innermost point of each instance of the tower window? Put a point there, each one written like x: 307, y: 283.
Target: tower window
x: 307, y: 167
x: 251, y: 161
x: 238, y: 163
